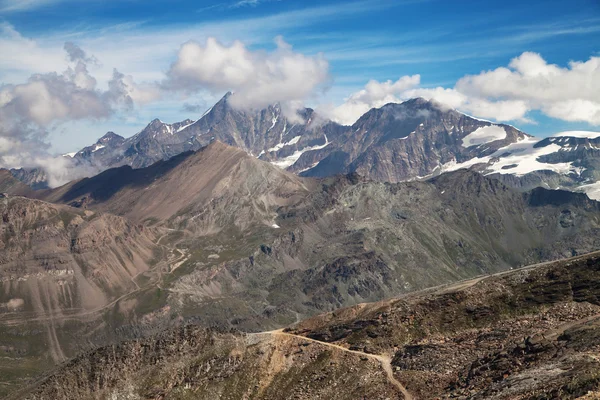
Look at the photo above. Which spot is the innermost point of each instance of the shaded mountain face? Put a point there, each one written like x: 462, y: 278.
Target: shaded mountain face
x: 530, y: 333
x: 404, y: 141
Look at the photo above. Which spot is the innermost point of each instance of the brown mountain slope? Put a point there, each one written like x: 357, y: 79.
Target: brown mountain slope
x: 59, y: 265
x: 532, y: 333
x: 11, y: 185
x: 219, y: 177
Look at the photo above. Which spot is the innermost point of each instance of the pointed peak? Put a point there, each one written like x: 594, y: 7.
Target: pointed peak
x: 109, y: 137
x: 155, y: 123
x: 224, y: 99
x: 417, y: 101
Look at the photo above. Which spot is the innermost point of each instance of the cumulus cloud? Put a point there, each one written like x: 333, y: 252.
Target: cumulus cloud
x: 571, y: 94
x: 256, y: 78
x: 375, y: 94
x: 28, y: 110
x: 503, y: 94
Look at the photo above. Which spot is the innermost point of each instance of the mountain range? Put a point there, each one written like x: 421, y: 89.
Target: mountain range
x: 224, y: 240
x: 397, y: 142
x: 243, y: 223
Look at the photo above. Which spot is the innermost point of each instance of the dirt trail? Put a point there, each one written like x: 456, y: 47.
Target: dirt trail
x: 384, y: 360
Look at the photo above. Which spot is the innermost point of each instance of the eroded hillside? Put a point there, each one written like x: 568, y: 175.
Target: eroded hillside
x: 523, y: 334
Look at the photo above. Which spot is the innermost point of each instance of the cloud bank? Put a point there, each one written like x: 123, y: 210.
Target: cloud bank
x: 29, y: 110
x: 529, y: 83
x: 256, y: 78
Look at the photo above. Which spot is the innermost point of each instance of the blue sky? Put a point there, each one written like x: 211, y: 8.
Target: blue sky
x: 442, y: 41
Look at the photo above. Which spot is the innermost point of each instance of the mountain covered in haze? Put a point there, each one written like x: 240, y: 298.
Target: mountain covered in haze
x: 397, y: 142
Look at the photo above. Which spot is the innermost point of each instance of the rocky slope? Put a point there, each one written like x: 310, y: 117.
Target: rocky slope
x: 236, y: 187
x: 59, y: 266
x: 530, y: 333
x: 261, y: 246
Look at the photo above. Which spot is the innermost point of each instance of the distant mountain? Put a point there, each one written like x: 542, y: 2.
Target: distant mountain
x: 9, y: 184
x: 34, y: 178
x: 411, y: 140
x: 266, y: 133
x: 415, y: 139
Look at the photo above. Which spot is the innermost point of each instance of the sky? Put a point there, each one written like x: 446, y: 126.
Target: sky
x: 71, y: 70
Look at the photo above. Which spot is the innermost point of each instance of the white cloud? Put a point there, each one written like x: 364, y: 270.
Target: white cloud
x: 257, y: 78
x: 29, y: 110
x: 503, y: 94
x: 570, y: 94
x: 575, y: 110
x: 375, y: 94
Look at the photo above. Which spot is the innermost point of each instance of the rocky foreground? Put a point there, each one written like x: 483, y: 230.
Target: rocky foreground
x: 532, y: 333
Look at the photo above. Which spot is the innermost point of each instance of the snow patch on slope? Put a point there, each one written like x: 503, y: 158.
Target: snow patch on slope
x: 279, y: 146
x: 292, y: 158
x: 483, y: 135
x: 519, y: 158
x: 185, y: 126
x: 525, y: 156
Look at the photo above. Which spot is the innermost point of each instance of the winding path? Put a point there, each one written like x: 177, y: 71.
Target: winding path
x: 384, y: 360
